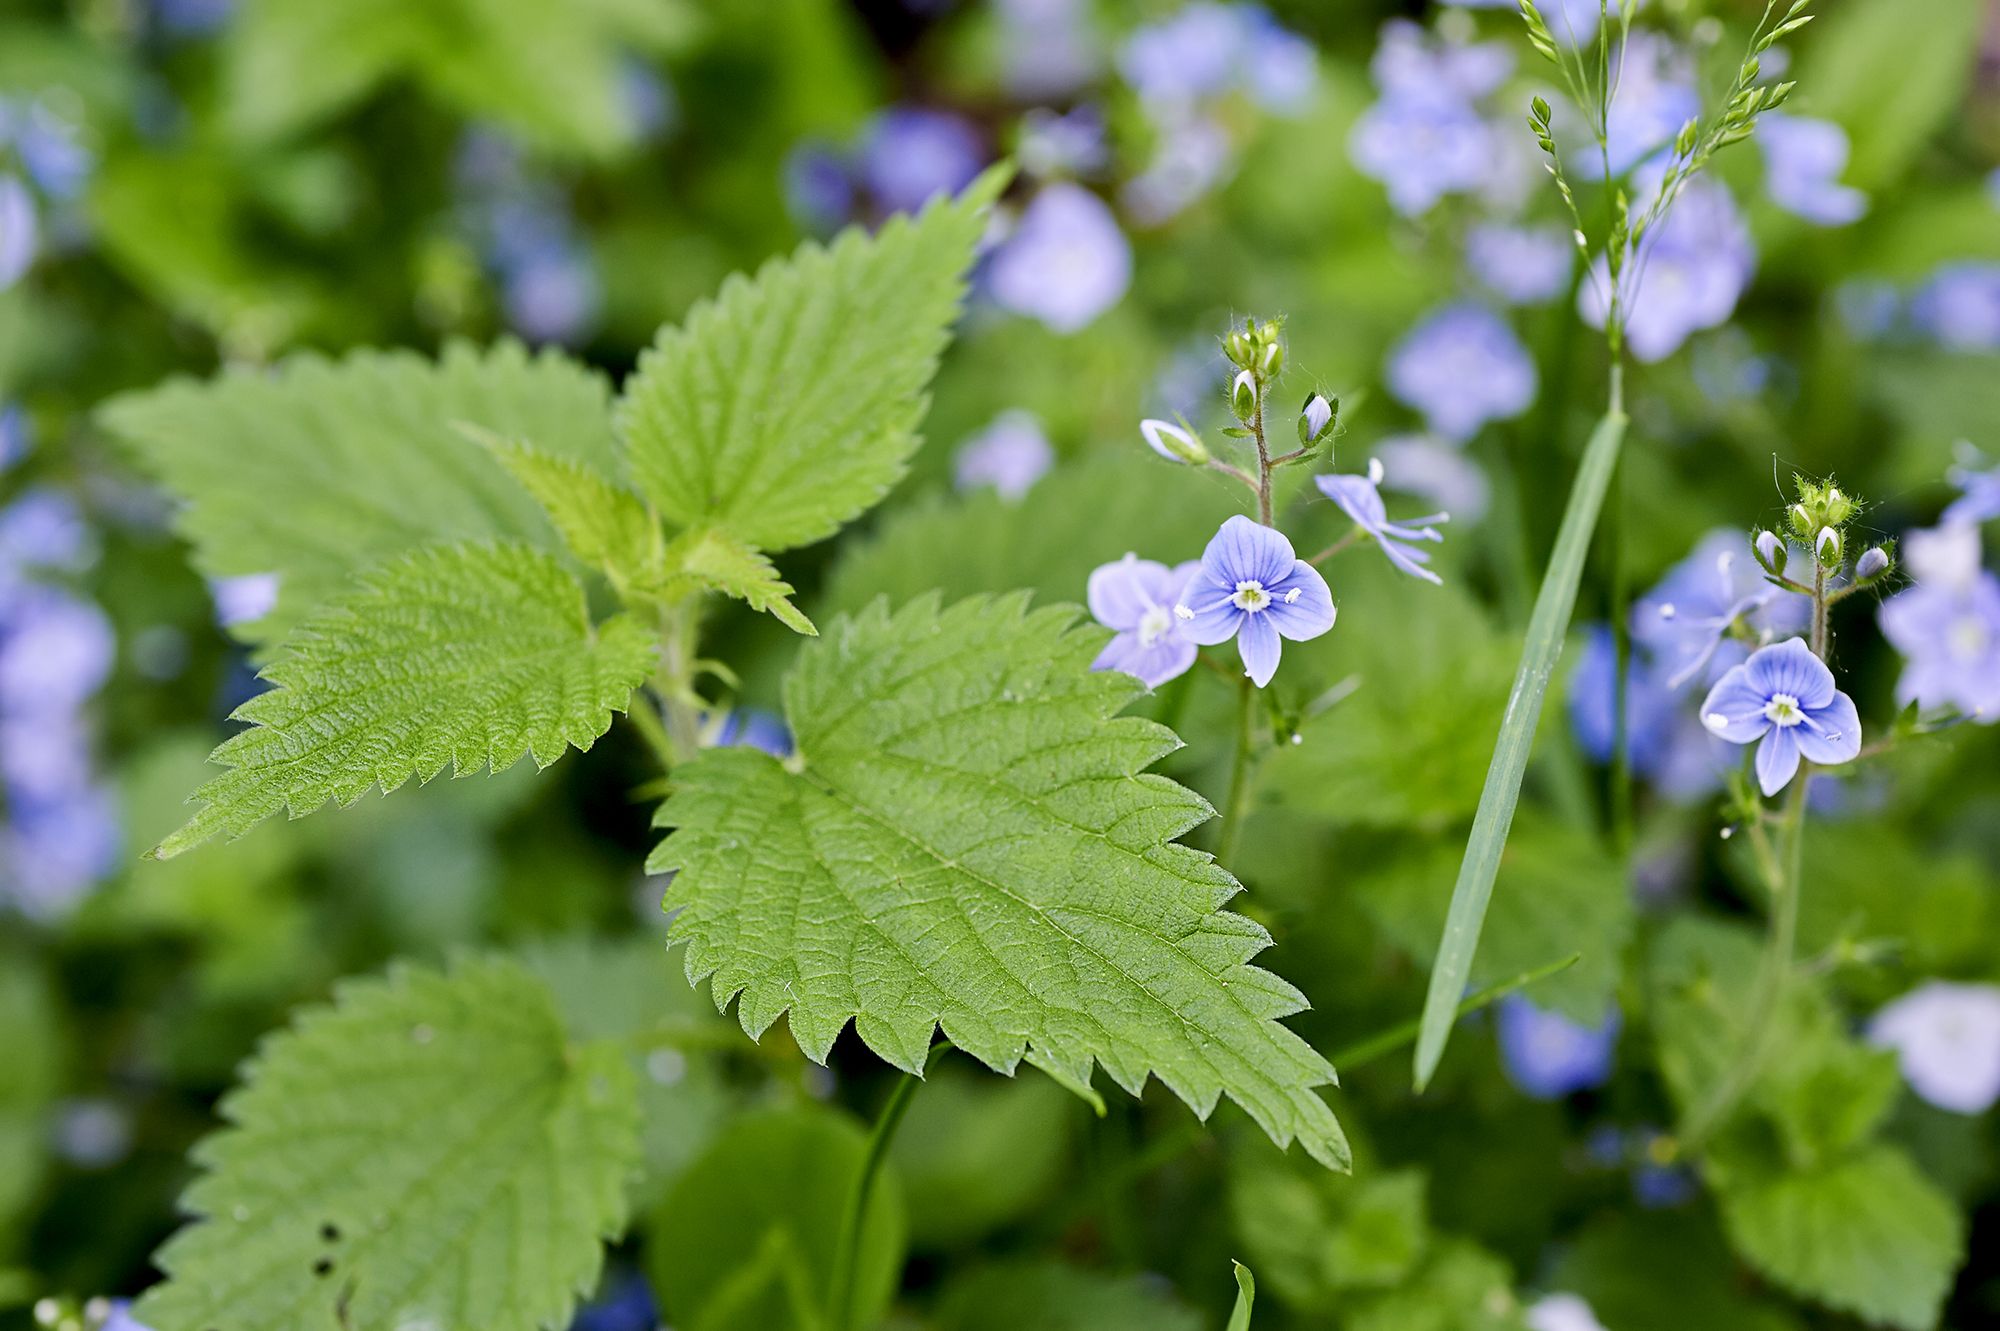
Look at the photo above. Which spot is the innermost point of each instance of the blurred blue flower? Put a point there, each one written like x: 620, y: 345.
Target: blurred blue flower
x: 910, y: 153
x: 1654, y: 96
x: 1958, y: 305
x: 1684, y: 621
x: 1462, y: 367
x: 1066, y: 261
x: 1009, y: 455
x: 53, y: 851
x: 1570, y: 21
x: 625, y: 1304
x: 1425, y: 137
x: 819, y: 191
x: 44, y: 529
x: 1547, y: 1055
x: 1280, y: 68
x: 243, y: 599
x: 1868, y: 308
x: 1435, y: 472
x: 1135, y: 598
x: 1047, y: 49
x: 1979, y: 497
x: 20, y: 230
x: 650, y: 105
x: 1413, y: 64
x: 1650, y: 706
x: 1561, y: 1312
x: 1192, y: 155
x: 1195, y: 54
x: 1523, y: 265
x: 1783, y: 700
x: 1359, y: 498
x: 1803, y: 159
x: 549, y: 288
x: 751, y: 728
x: 56, y: 650
x: 44, y: 754
x: 51, y: 148
x: 1949, y: 638
x: 192, y: 18
x: 1252, y: 587
x: 1686, y: 276
x: 1947, y: 1042
x: 14, y: 437
x: 1069, y: 143
x: 553, y: 295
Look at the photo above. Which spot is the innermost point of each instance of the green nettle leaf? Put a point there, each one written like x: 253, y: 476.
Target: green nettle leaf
x: 326, y: 468
x: 460, y: 656
x: 716, y: 561
x: 1869, y: 1235
x: 790, y: 402
x: 429, y: 1151
x: 1052, y: 1296
x: 967, y: 838
x: 603, y: 523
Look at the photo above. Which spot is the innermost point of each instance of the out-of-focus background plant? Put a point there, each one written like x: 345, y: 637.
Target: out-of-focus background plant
x: 188, y: 184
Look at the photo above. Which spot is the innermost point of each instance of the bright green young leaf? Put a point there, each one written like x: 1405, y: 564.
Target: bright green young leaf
x: 327, y: 468
x: 603, y: 523
x: 1869, y: 1235
x: 429, y: 1151
x: 1053, y: 1296
x: 716, y: 561
x: 464, y: 657
x: 967, y: 838
x: 790, y: 402
x: 745, y: 1240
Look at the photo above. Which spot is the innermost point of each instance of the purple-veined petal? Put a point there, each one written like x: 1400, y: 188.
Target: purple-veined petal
x: 1734, y: 708
x: 1301, y: 604
x: 1777, y: 758
x: 1357, y: 497
x: 1789, y: 667
x: 1155, y: 665
x: 1259, y: 643
x: 1121, y: 592
x: 1247, y: 551
x: 1831, y: 734
x: 1212, y: 616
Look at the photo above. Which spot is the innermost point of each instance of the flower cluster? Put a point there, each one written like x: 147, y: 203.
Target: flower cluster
x: 1249, y: 584
x: 1433, y: 132
x: 1946, y: 624
x: 61, y: 834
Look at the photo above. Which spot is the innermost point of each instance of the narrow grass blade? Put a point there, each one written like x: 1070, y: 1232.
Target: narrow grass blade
x: 1246, y: 1295
x: 1547, y: 627
x: 1389, y: 1041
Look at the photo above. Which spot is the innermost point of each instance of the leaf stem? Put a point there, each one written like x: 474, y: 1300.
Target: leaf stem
x: 847, y: 1246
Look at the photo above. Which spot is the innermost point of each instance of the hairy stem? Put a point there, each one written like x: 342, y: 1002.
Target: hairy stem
x: 1774, y: 974
x: 1238, y: 798
x: 1263, y: 461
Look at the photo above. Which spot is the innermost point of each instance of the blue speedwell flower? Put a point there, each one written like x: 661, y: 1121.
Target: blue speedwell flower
x: 1803, y: 159
x: 1253, y: 588
x: 1361, y: 499
x: 1783, y: 697
x: 1549, y: 1056
x: 1066, y: 263
x: 1009, y: 455
x: 1136, y: 597
x: 1462, y: 367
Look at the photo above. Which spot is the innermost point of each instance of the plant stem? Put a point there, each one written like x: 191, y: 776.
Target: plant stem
x: 1339, y: 545
x: 1774, y: 974
x: 1237, y: 801
x: 1263, y: 462
x: 847, y: 1246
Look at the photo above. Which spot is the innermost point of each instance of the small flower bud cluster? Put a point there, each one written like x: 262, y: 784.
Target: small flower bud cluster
x: 1258, y: 348
x: 1818, y: 517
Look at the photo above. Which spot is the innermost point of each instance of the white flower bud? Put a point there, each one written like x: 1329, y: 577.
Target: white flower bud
x: 1173, y: 443
x: 1375, y: 472
x: 1315, y: 418
x: 1827, y: 546
x: 1243, y: 395
x: 1771, y: 552
x: 1874, y: 562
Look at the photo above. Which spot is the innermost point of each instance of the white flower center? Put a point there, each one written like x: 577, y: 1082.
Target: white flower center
x: 1250, y: 595
x: 1153, y: 625
x: 1967, y: 638
x: 1783, y: 710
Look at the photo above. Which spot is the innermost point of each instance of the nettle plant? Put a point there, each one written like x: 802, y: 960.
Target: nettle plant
x: 487, y: 557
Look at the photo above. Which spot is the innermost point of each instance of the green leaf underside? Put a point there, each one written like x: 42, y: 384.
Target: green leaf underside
x: 464, y: 657
x: 790, y: 402
x: 324, y: 469
x: 322, y: 1210
x: 1870, y: 1236
x: 973, y: 842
